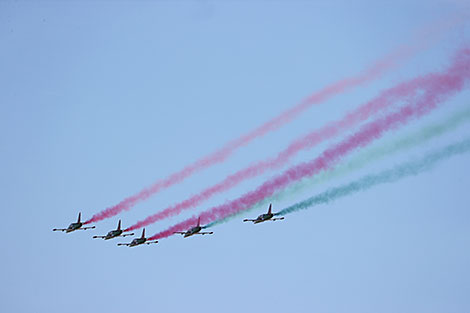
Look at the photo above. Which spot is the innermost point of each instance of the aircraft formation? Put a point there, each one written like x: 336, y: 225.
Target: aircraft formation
x: 196, y: 230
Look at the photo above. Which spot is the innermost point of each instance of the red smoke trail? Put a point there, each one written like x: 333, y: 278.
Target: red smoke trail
x: 439, y: 88
x: 220, y: 155
x: 424, y: 37
x: 384, y: 100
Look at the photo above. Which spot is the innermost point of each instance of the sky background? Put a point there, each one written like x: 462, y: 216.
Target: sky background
x: 100, y: 99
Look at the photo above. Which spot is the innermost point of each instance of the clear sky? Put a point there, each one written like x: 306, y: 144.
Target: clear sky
x: 100, y: 99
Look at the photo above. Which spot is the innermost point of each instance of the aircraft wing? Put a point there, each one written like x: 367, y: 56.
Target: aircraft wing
x: 277, y: 219
x: 59, y: 229
x: 248, y: 220
x: 150, y: 242
x: 85, y: 228
x: 205, y: 233
x: 125, y: 235
x: 123, y: 244
x: 99, y: 237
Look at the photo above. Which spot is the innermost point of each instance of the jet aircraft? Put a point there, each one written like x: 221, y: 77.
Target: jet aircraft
x: 114, y: 233
x: 74, y: 226
x: 265, y: 217
x: 138, y: 241
x: 196, y: 230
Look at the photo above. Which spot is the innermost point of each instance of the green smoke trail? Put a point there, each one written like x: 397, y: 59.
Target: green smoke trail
x: 364, y: 158
x: 387, y: 176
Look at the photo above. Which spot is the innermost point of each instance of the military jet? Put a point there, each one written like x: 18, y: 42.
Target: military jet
x: 114, y: 233
x: 74, y: 226
x: 265, y: 217
x: 196, y: 230
x: 138, y: 241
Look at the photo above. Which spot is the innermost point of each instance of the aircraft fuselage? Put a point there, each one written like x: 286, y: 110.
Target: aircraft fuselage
x: 192, y: 231
x: 113, y: 233
x: 263, y: 218
x: 74, y: 226
x: 137, y: 241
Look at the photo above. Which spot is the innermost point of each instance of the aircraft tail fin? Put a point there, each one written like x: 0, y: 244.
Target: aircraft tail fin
x: 198, y: 221
x: 270, y: 208
x: 79, y: 217
x: 119, y: 225
x: 143, y: 233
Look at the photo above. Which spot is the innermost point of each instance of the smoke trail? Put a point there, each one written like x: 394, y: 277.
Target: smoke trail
x: 384, y: 100
x: 363, y: 159
x: 387, y: 176
x: 440, y: 89
x: 371, y: 73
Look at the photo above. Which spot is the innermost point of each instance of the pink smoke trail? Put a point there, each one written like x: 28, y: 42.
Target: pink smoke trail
x: 332, y: 129
x: 440, y: 88
x: 220, y: 155
x: 424, y: 37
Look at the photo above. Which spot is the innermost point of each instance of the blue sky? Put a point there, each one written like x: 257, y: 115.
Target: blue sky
x: 101, y: 99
